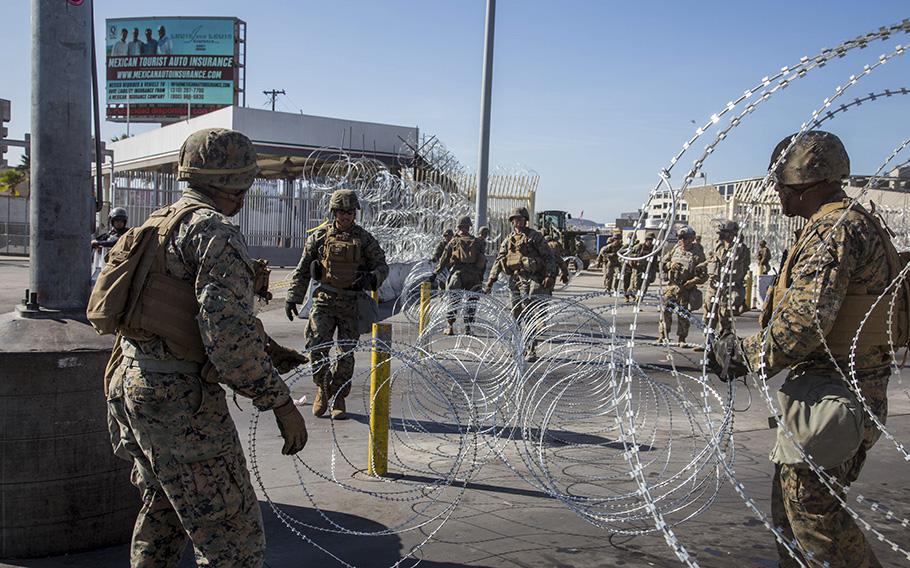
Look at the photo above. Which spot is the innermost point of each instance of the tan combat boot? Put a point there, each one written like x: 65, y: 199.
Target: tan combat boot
x: 321, y: 402
x: 338, y: 409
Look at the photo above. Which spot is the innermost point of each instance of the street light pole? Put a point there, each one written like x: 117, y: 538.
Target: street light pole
x: 486, y: 91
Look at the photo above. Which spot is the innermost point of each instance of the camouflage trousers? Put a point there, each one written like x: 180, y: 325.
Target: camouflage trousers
x: 687, y: 299
x: 804, y: 509
x: 610, y: 271
x: 640, y: 282
x: 626, y: 278
x: 189, y: 467
x: 460, y: 280
x: 332, y: 313
x: 522, y: 290
x: 731, y: 302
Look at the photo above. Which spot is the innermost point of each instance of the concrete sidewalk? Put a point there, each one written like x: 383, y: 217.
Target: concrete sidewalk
x: 492, y: 516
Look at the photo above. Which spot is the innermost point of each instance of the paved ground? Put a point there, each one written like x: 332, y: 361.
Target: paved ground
x: 498, y: 520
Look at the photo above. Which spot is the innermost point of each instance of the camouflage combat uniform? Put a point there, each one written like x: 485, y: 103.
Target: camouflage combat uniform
x: 685, y: 271
x: 438, y: 250
x: 608, y: 258
x: 732, y: 299
x: 764, y: 260
x: 642, y: 267
x: 824, y: 268
x: 526, y: 258
x: 335, y: 305
x: 559, y: 257
x: 465, y: 258
x: 175, y: 426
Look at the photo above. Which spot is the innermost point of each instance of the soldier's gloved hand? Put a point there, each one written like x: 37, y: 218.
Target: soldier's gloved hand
x: 284, y: 359
x: 365, y: 281
x: 292, y: 428
x: 691, y: 283
x: 672, y: 291
x: 290, y: 310
x: 727, y: 359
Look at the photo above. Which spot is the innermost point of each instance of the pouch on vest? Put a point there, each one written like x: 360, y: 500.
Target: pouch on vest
x: 463, y: 251
x: 824, y: 418
x: 340, y: 261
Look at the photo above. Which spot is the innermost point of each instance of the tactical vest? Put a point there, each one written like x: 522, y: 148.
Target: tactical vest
x: 858, y: 301
x: 341, y: 257
x: 517, y: 249
x: 135, y: 296
x: 464, y: 251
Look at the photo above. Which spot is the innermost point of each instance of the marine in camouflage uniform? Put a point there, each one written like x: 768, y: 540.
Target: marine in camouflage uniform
x: 441, y: 245
x: 530, y: 264
x: 644, y: 270
x: 685, y: 270
x: 465, y: 257
x: 346, y: 260
x: 167, y: 412
x: 732, y: 298
x: 608, y: 259
x: 764, y: 258
x: 833, y: 273
x: 559, y: 255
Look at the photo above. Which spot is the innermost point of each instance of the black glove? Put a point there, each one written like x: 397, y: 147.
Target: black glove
x: 726, y: 359
x: 365, y: 281
x: 290, y: 310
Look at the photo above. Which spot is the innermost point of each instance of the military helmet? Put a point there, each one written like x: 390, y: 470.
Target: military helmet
x: 728, y: 227
x: 118, y: 213
x: 763, y: 243
x: 816, y: 157
x: 465, y: 222
x: 650, y: 235
x: 483, y: 230
x: 449, y: 233
x: 686, y: 233
x: 520, y: 212
x: 344, y: 200
x: 218, y: 158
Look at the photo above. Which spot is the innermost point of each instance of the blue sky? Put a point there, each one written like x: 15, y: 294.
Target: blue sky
x: 596, y: 96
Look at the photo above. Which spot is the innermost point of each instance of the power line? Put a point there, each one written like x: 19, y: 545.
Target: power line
x: 274, y: 95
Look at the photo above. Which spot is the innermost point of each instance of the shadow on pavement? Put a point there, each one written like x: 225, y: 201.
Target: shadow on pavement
x: 284, y: 549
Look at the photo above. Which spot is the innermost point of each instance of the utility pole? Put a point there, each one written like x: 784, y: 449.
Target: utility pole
x: 67, y: 498
x: 486, y: 91
x: 274, y: 94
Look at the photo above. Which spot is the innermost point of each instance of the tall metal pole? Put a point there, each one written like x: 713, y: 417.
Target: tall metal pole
x: 486, y: 91
x: 61, y: 185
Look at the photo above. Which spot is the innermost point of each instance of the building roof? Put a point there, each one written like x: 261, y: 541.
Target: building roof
x: 287, y: 143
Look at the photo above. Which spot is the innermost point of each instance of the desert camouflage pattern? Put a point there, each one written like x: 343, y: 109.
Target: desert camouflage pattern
x: 333, y: 309
x: 559, y: 255
x: 608, y: 259
x: 438, y: 250
x: 343, y: 199
x: 685, y: 270
x: 538, y: 262
x: 825, y: 262
x: 464, y: 276
x: 642, y: 275
x: 817, y: 156
x: 732, y: 299
x: 219, y: 159
x: 764, y: 260
x: 175, y: 427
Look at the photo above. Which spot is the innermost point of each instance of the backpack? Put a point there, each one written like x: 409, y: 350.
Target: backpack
x: 134, y: 296
x: 463, y: 250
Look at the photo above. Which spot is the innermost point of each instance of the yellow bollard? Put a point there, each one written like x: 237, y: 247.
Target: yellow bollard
x: 380, y: 401
x: 375, y: 295
x: 748, y: 286
x: 424, y: 306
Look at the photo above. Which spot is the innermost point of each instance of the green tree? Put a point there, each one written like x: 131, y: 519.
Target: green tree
x: 9, y: 179
x: 25, y: 163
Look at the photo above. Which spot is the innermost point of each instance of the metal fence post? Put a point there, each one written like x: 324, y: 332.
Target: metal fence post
x: 424, y: 306
x: 380, y: 400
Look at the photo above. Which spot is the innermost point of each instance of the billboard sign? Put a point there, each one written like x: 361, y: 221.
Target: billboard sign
x: 164, y: 69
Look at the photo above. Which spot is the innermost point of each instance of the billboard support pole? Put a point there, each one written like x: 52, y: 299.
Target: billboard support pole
x: 128, y: 95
